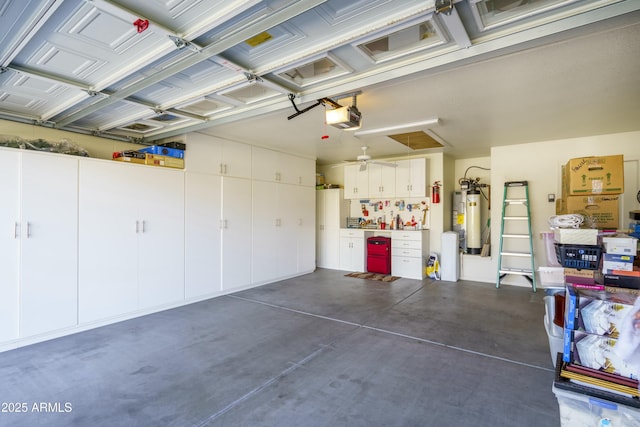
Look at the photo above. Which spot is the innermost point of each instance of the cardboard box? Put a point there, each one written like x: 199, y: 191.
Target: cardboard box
x: 621, y: 245
x: 594, y: 176
x: 580, y: 277
x: 166, y: 161
x: 576, y: 236
x: 602, y: 212
x: 612, y: 262
x: 129, y: 156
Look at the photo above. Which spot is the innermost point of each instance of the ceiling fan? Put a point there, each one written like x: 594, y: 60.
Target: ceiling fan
x: 364, y: 159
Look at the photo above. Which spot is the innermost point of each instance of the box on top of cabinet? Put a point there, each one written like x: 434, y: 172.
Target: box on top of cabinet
x: 593, y: 175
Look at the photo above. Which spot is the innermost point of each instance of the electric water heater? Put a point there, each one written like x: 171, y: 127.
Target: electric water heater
x: 474, y: 227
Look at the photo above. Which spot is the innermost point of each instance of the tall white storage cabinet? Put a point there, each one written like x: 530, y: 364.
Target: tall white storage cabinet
x: 9, y: 245
x: 305, y: 200
x: 131, y: 238
x: 236, y: 233
x: 48, y: 234
x: 203, y: 233
x: 331, y: 214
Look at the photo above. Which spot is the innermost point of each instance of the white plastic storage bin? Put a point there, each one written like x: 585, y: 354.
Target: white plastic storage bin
x: 581, y: 410
x: 551, y: 277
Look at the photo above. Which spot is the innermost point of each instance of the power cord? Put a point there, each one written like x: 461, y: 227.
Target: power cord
x: 566, y: 221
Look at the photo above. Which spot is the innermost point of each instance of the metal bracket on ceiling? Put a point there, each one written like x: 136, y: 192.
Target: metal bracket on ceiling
x: 3, y: 70
x: 182, y: 43
x: 444, y: 6
x: 252, y: 78
x: 92, y: 93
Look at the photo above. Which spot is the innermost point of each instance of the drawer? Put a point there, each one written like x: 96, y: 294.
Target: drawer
x: 406, y: 244
x: 406, y: 235
x: 402, y: 252
x: 411, y: 268
x: 348, y: 232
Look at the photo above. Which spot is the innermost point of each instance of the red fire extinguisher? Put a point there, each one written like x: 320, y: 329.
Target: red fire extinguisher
x: 435, y: 192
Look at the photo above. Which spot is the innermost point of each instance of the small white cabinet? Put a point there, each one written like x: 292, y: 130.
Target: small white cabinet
x: 206, y: 154
x: 356, y: 182
x: 409, y: 251
x: 353, y: 252
x: 411, y: 178
x: 382, y: 180
x: 270, y: 165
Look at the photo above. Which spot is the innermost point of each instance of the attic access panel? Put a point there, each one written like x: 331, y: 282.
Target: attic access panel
x: 418, y: 140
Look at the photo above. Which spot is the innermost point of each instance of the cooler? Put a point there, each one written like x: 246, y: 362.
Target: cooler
x: 379, y: 255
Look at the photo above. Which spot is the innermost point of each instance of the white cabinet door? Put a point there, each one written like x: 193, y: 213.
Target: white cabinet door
x: 382, y: 181
x: 306, y: 235
x: 290, y: 211
x: 356, y: 182
x: 161, y: 237
x: 236, y: 233
x: 236, y: 159
x: 131, y: 238
x: 49, y: 258
x: 108, y: 240
x: 265, y: 220
x: 331, y: 213
x: 202, y: 234
x: 411, y: 178
x: 352, y: 254
x: 9, y: 244
x: 265, y: 164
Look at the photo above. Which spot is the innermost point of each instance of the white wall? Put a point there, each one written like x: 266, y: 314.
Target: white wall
x: 540, y: 163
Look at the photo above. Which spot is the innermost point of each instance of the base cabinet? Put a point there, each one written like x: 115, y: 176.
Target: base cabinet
x: 353, y: 246
x: 409, y: 252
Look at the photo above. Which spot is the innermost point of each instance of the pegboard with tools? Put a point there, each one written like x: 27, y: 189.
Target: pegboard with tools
x: 392, y: 214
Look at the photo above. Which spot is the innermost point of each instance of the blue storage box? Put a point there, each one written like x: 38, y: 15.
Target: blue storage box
x: 163, y: 151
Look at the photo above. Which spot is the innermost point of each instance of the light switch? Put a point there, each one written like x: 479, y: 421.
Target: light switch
x: 551, y: 198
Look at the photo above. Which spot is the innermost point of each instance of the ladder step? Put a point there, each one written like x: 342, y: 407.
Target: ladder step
x: 516, y: 184
x: 522, y: 254
x: 515, y: 217
x: 516, y: 236
x: 522, y: 271
x: 516, y: 201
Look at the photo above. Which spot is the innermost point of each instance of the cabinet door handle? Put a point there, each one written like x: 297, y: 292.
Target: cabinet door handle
x: 143, y: 225
x: 225, y: 169
x: 221, y: 169
x: 28, y: 230
x: 137, y: 226
x: 15, y: 230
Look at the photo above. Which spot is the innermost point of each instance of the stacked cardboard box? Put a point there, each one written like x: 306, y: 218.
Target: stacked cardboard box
x: 591, y: 186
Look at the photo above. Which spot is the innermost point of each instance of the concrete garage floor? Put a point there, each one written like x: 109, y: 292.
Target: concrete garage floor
x: 318, y: 350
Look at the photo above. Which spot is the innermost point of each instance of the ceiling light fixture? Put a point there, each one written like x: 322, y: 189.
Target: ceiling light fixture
x: 407, y: 127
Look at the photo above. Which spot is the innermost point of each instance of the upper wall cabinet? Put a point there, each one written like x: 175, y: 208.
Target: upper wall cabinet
x: 411, y: 178
x: 356, y: 182
x: 206, y: 154
x: 269, y: 165
x: 382, y: 181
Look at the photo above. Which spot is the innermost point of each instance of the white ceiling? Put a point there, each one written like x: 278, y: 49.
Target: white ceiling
x: 81, y: 65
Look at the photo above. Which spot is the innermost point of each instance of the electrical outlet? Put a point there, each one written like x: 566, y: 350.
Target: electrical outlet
x: 551, y: 198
